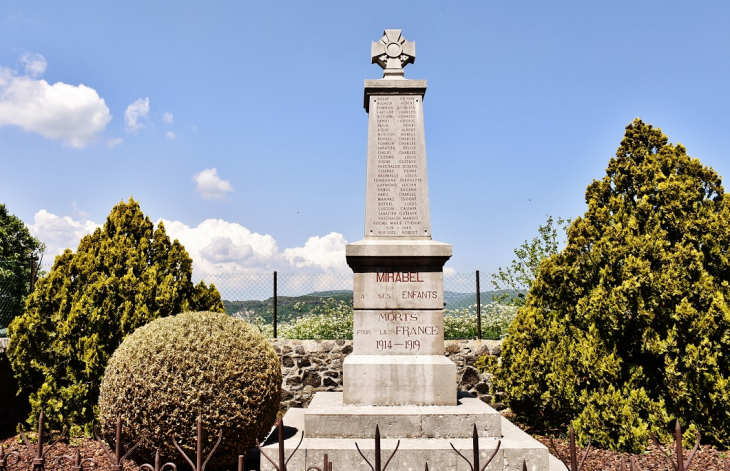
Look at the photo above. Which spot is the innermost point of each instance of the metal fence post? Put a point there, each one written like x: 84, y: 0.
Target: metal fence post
x: 33, y: 260
x: 479, y: 310
x: 275, y: 304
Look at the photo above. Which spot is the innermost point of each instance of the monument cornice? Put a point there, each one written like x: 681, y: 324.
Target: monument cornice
x: 397, y: 253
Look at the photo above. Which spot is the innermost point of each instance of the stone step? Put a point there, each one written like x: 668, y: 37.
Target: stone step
x: 328, y: 417
x: 412, y: 454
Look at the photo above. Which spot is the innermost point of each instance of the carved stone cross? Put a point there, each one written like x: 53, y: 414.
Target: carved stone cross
x: 393, y: 52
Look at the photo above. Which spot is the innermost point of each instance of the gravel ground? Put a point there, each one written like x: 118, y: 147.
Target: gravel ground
x: 706, y: 458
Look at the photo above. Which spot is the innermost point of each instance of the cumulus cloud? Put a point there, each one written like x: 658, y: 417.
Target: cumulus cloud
x: 74, y: 114
x: 221, y: 247
x: 170, y: 135
x: 167, y: 117
x: 210, y: 185
x: 223, y: 252
x: 61, y: 232
x: 322, y: 252
x: 139, y: 110
x: 35, y: 64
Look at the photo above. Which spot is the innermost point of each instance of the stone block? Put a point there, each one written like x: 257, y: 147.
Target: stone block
x: 391, y: 288
x: 328, y: 417
x: 385, y: 332
x: 399, y: 380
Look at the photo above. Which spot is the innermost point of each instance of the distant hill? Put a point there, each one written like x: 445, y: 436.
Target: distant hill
x: 285, y: 308
x: 286, y: 311
x: 454, y: 300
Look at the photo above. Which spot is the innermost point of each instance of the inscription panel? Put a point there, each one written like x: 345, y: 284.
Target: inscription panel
x: 398, y: 332
x: 398, y: 290
x: 397, y: 185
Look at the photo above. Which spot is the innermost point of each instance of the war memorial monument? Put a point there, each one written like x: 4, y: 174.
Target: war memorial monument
x: 397, y: 377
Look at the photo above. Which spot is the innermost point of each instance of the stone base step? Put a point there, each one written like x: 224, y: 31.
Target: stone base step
x: 412, y: 454
x: 328, y: 417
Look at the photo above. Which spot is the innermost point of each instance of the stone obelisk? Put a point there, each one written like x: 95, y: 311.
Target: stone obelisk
x: 398, y: 344
x: 397, y: 379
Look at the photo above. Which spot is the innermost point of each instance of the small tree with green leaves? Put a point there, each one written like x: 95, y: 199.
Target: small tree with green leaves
x: 19, y: 255
x: 517, y: 279
x: 122, y: 276
x: 628, y: 327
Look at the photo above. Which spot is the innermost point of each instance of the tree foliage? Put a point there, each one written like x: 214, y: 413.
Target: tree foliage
x: 628, y: 327
x: 18, y: 250
x: 121, y: 277
x: 519, y: 276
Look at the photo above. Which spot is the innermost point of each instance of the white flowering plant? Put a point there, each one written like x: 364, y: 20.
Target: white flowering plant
x: 462, y: 323
x: 333, y: 320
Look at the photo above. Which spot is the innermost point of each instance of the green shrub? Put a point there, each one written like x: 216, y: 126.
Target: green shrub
x: 122, y: 276
x: 168, y: 372
x: 628, y: 327
x: 486, y: 363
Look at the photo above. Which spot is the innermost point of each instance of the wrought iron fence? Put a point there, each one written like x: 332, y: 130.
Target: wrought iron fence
x: 34, y: 456
x: 275, y: 298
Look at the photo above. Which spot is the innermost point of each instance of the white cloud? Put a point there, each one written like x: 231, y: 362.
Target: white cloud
x: 449, y: 271
x: 223, y: 252
x: 114, y: 142
x: 61, y: 232
x: 170, y: 135
x: 136, y: 111
x: 71, y: 113
x: 221, y: 247
x: 35, y: 64
x: 167, y: 117
x: 210, y: 185
x: 324, y: 252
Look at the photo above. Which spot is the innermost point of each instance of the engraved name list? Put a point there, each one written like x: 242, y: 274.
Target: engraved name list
x: 397, y: 174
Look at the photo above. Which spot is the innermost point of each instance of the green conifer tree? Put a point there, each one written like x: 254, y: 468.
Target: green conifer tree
x: 122, y: 276
x: 628, y: 327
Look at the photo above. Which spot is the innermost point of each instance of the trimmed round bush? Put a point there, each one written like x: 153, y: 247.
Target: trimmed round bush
x: 171, y: 370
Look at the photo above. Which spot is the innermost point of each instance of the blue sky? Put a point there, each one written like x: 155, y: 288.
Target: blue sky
x: 241, y: 123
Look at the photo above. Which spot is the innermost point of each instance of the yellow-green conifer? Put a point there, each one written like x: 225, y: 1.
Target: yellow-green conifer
x: 121, y: 277
x: 628, y: 327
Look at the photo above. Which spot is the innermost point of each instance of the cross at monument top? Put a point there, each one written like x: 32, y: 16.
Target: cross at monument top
x: 393, y: 52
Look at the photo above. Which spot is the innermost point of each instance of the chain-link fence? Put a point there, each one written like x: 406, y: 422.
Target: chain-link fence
x: 280, y: 298
x: 276, y: 299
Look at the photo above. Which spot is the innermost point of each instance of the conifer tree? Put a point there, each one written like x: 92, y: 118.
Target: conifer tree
x: 628, y: 328
x: 122, y: 276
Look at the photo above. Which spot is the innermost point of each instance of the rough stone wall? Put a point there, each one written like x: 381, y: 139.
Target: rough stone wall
x: 309, y: 366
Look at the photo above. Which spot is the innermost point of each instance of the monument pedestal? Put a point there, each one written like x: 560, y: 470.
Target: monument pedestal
x: 390, y: 380
x: 426, y: 434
